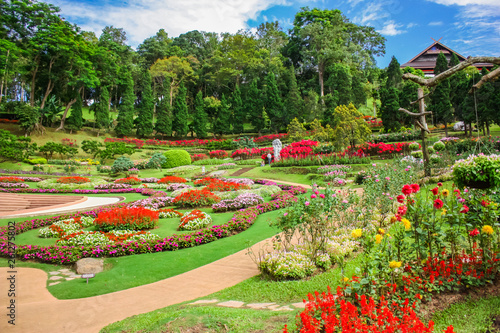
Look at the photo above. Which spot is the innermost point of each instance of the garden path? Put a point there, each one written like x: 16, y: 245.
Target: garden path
x: 37, y: 311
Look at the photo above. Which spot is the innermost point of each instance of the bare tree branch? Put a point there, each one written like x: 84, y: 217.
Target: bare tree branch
x: 413, y: 114
x: 422, y: 126
x: 411, y: 103
x: 431, y: 82
x: 490, y: 76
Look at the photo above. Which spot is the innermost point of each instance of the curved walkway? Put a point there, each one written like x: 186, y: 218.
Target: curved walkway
x: 37, y: 311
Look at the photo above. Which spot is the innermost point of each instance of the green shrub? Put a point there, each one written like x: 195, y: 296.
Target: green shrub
x: 439, y: 146
x: 417, y: 154
x: 414, y: 146
x: 431, y: 150
x: 156, y: 161
x: 35, y: 161
x: 175, y: 158
x: 122, y: 164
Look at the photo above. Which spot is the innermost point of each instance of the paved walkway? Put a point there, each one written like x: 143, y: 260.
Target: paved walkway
x: 37, y: 311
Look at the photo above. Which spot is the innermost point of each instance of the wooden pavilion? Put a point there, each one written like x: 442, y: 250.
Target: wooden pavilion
x: 426, y: 60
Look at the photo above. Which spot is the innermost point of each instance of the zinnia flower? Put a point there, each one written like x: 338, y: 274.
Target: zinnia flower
x: 474, y: 232
x: 313, y: 196
x: 402, y: 210
x: 485, y: 203
x: 322, y: 196
x: 465, y: 209
x: 487, y: 229
x: 435, y: 191
x: 395, y: 264
x: 406, y: 189
x: 381, y: 231
x: 356, y: 233
x: 438, y: 204
x: 440, y: 184
x: 415, y: 188
x: 445, y: 192
x: 306, y: 203
x: 406, y: 223
x: 378, y: 238
x: 400, y: 198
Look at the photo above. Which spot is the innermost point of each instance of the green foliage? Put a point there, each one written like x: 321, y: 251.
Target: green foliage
x: 320, y: 133
x: 349, y: 127
x: 200, y: 116
x: 102, y: 109
x: 296, y: 130
x: 220, y: 145
x: 439, y: 146
x: 294, y: 104
x: 223, y: 122
x: 239, y: 112
x: 175, y: 158
x: 92, y: 147
x: 163, y: 123
x: 244, y: 142
x: 122, y: 164
x: 476, y: 171
x: 272, y: 102
x: 29, y: 118
x: 125, y: 118
x: 156, y: 161
x: 389, y: 109
x: 394, y: 75
x: 35, y: 161
x: 13, y: 147
x: 253, y: 102
x: 115, y: 148
x: 440, y: 98
x: 144, y: 122
x: 75, y: 121
x: 180, y: 123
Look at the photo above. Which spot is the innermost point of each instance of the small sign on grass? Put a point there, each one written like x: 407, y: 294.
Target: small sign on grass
x: 88, y: 276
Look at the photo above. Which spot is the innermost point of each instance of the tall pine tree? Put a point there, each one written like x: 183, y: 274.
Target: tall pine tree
x: 273, y: 102
x: 223, y: 122
x: 75, y: 120
x: 254, y: 104
x: 125, y: 120
x: 163, y: 123
x: 200, y: 116
x: 144, y: 121
x: 180, y: 123
x: 389, y: 96
x: 394, y: 75
x: 102, y: 109
x: 440, y: 98
x: 294, y: 104
x: 239, y: 114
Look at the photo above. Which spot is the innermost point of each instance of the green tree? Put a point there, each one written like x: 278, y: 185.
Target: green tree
x: 144, y: 121
x: 102, y: 109
x: 339, y: 84
x: 273, y: 102
x: 200, y: 116
x: 389, y: 110
x: 180, y: 113
x: 239, y: 114
x: 458, y: 86
x: 125, y: 120
x: 440, y: 98
x: 223, y: 121
x: 394, y: 74
x: 253, y: 102
x: 294, y: 103
x: 75, y: 120
x: 296, y: 130
x: 163, y: 123
x: 350, y: 128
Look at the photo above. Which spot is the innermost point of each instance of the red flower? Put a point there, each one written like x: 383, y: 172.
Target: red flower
x: 400, y: 198
x: 438, y: 204
x: 457, y: 191
x: 474, y: 232
x: 402, y: 210
x: 415, y: 188
x: 435, y: 191
x: 440, y: 184
x: 485, y: 203
x: 465, y: 209
x: 407, y: 189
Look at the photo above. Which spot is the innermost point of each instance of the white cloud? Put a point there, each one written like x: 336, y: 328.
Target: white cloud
x: 391, y: 29
x: 411, y: 25
x: 143, y: 18
x: 435, y: 23
x: 466, y: 2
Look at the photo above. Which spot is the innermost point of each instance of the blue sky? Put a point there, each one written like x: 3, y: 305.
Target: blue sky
x: 470, y: 27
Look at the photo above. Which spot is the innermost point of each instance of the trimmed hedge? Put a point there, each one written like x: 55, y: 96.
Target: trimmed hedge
x: 175, y: 158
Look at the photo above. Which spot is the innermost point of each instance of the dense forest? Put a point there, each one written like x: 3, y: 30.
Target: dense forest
x: 201, y: 82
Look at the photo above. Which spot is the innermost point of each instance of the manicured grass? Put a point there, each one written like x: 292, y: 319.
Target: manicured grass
x: 469, y: 316
x: 137, y: 270
x: 180, y: 318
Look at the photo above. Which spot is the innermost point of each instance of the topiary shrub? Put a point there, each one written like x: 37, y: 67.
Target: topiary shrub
x: 35, y: 161
x: 439, y: 146
x: 175, y: 158
x: 156, y: 161
x: 122, y: 164
x: 414, y: 146
x: 431, y: 150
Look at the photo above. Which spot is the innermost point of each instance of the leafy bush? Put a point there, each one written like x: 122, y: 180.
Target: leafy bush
x: 175, y: 158
x: 128, y: 180
x: 477, y: 170
x: 223, y: 144
x: 156, y: 161
x: 417, y: 154
x: 126, y: 218
x: 439, y: 146
x: 122, y: 164
x: 35, y: 161
x: 196, y: 198
x: 286, y: 266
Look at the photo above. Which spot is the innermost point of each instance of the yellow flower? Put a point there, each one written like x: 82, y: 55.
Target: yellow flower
x: 395, y: 264
x: 487, y: 229
x: 356, y: 233
x: 378, y: 238
x: 443, y: 212
x: 445, y: 192
x: 345, y: 279
x: 381, y: 231
x: 406, y: 223
x: 393, y: 219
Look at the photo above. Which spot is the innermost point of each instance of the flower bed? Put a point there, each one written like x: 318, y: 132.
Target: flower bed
x: 196, y: 198
x: 11, y: 179
x: 171, y: 179
x: 34, y: 172
x: 222, y: 186
x: 194, y: 220
x: 198, y: 157
x: 112, y: 186
x: 128, y: 180
x: 73, y: 180
x: 99, y: 238
x: 137, y: 142
x: 169, y: 213
x: 248, y: 153
x: 168, y: 187
x: 220, y: 154
x: 149, y: 180
x: 53, y: 184
x: 270, y: 137
x: 14, y: 185
x: 153, y: 202
x: 241, y: 201
x: 226, y: 166
x: 374, y: 149
x: 136, y: 218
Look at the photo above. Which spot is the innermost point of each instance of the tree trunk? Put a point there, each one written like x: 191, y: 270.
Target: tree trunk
x: 50, y: 86
x: 487, y: 124
x: 63, y: 119
x: 5, y: 75
x: 321, y: 70
x: 22, y: 91
x: 32, y: 93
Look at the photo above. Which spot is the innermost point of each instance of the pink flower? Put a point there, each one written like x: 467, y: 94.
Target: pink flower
x: 322, y: 196
x: 285, y: 214
x: 387, y: 178
x: 317, y: 192
x: 313, y: 196
x: 377, y: 180
x: 307, y: 203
